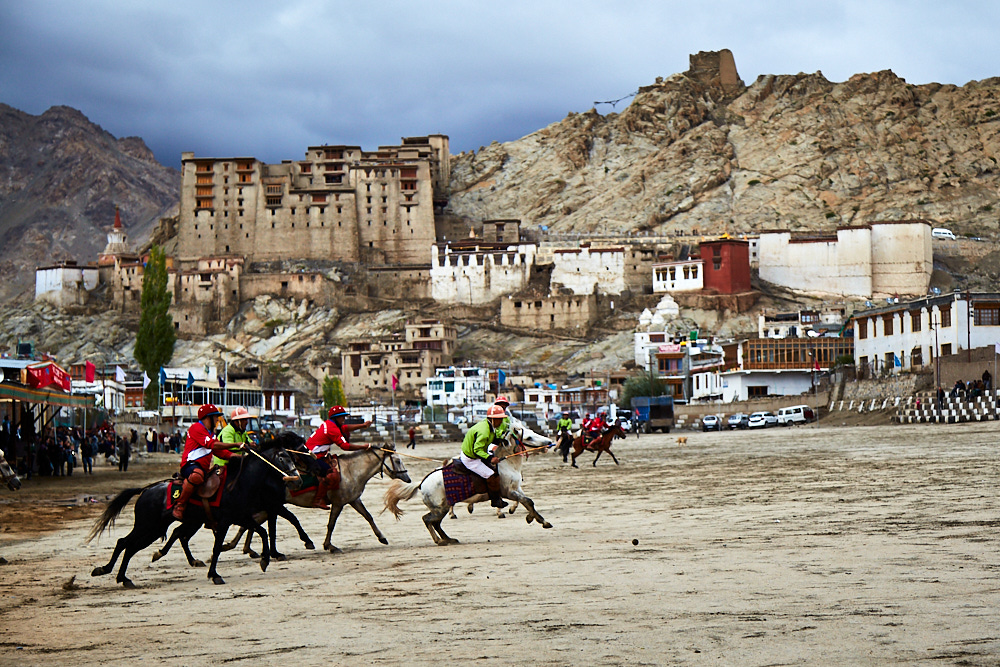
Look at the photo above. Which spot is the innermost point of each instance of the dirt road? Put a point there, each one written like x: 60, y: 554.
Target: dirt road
x: 787, y: 546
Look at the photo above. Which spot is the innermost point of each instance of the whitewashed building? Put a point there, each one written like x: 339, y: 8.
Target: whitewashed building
x: 910, y: 335
x: 65, y: 284
x: 682, y: 276
x: 474, y: 274
x: 455, y: 387
x: 587, y: 270
x: 881, y: 258
x: 542, y: 401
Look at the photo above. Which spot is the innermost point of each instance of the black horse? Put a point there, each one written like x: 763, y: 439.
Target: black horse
x: 253, y: 487
x: 565, y: 443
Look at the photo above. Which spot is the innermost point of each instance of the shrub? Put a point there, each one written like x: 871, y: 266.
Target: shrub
x: 753, y: 182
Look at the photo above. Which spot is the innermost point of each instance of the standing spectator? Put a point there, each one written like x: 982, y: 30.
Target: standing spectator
x: 69, y: 455
x: 126, y: 451
x: 987, y: 380
x: 87, y: 453
x: 150, y: 440
x: 940, y: 398
x: 413, y: 438
x: 57, y: 457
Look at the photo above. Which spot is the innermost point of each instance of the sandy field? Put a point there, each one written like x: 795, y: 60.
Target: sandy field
x: 799, y: 546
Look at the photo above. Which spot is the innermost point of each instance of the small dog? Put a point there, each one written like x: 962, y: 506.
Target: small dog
x: 682, y: 440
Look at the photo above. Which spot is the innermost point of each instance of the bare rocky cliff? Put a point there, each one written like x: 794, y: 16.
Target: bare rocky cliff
x: 61, y: 177
x: 700, y: 151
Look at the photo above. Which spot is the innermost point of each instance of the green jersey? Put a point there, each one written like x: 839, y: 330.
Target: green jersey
x: 478, y: 439
x: 564, y: 424
x: 230, y: 435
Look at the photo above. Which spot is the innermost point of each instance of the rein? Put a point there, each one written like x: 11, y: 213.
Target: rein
x: 411, y: 456
x: 525, y: 452
x: 285, y: 476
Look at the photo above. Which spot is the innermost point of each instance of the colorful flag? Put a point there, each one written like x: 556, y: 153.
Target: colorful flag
x: 501, y: 377
x: 89, y: 372
x: 395, y: 382
x: 145, y: 381
x: 190, y: 382
x: 163, y: 376
x: 120, y: 374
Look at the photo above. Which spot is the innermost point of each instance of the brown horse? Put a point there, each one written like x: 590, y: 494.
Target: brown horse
x: 602, y: 445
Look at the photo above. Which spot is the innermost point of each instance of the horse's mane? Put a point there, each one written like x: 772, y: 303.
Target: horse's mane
x: 283, y: 439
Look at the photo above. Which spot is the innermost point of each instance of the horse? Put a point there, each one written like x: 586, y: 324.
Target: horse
x: 7, y: 475
x: 435, y: 499
x: 356, y: 468
x: 526, y: 436
x: 602, y: 445
x: 565, y: 444
x: 253, y: 486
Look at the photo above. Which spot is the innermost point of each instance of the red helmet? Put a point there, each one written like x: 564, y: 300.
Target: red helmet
x: 336, y: 411
x: 208, y: 410
x: 502, y: 399
x: 495, y: 412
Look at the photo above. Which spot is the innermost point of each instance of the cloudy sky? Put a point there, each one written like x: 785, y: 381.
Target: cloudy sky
x: 269, y: 78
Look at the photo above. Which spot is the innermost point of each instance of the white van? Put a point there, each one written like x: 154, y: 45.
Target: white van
x: 796, y: 414
x: 942, y: 233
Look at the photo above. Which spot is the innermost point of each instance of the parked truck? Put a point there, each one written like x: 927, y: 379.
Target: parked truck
x: 654, y: 412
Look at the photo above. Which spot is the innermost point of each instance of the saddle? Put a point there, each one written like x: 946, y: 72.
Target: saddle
x: 460, y: 483
x: 207, y: 494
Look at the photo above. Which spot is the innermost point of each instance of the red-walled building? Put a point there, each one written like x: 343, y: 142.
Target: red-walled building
x: 727, y: 266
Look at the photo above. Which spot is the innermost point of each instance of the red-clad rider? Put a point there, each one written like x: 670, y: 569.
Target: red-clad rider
x: 593, y: 428
x: 196, y: 461
x: 332, y: 432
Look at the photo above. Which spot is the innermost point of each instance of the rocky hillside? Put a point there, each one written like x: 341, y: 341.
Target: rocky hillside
x: 61, y: 177
x: 789, y: 151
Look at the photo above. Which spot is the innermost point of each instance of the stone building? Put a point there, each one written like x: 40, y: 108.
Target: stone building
x: 556, y: 312
x: 878, y: 259
x: 338, y: 203
x: 473, y: 272
x: 368, y: 365
x: 682, y: 276
x: 587, y: 270
x: 65, y: 284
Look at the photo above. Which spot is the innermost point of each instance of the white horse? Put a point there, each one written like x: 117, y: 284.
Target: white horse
x: 434, y: 497
x: 7, y: 475
x: 530, y: 439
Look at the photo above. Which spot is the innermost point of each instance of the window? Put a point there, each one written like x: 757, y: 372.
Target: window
x: 946, y: 349
x: 917, y: 356
x: 887, y: 325
x: 862, y: 325
x: 694, y: 272
x: 673, y: 273
x: 946, y: 315
x: 274, y: 189
x: 915, y: 323
x: 986, y: 315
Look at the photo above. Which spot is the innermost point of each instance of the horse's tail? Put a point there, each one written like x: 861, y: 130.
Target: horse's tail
x: 399, y: 490
x: 111, y: 512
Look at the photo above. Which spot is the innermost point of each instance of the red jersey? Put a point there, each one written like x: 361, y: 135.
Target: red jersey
x: 198, y: 447
x: 327, y: 434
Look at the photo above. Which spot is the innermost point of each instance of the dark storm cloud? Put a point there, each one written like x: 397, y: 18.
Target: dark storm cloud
x: 267, y: 79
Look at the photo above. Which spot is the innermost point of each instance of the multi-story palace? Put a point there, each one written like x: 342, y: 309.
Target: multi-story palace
x: 339, y: 203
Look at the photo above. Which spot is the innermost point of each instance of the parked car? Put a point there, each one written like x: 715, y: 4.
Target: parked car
x: 796, y: 414
x: 738, y: 420
x: 711, y: 423
x: 942, y: 233
x: 762, y: 420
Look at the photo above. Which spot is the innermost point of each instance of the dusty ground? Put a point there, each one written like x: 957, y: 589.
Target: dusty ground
x: 787, y: 546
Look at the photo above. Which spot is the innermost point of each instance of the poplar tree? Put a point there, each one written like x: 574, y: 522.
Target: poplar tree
x: 154, y: 341
x: 333, y: 394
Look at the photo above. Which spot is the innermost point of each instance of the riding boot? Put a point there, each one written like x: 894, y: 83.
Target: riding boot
x: 321, y: 489
x: 493, y: 490
x: 186, y: 490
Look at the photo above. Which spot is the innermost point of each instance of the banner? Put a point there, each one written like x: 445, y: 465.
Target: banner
x: 501, y: 377
x: 120, y: 374
x: 145, y: 380
x: 48, y: 374
x: 89, y: 372
x: 395, y: 383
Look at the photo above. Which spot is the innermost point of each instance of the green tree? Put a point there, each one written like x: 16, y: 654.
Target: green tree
x: 154, y: 341
x: 333, y: 394
x: 644, y: 384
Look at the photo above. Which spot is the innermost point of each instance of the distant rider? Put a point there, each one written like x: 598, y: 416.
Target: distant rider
x: 478, y: 450
x: 594, y: 428
x: 564, y: 428
x: 332, y: 432
x: 196, y: 460
x: 503, y: 430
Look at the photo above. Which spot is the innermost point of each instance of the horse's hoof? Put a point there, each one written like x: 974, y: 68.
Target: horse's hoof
x: 217, y: 580
x: 157, y: 556
x: 512, y: 510
x: 99, y: 571
x: 335, y: 550
x: 279, y: 557
x: 574, y: 465
x: 309, y: 545
x: 529, y: 518
x: 383, y: 540
x: 501, y: 515
x: 197, y: 563
x: 253, y: 554
x: 127, y: 583
x: 264, y: 562
x: 546, y: 525
x: 468, y: 507
x: 452, y: 517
